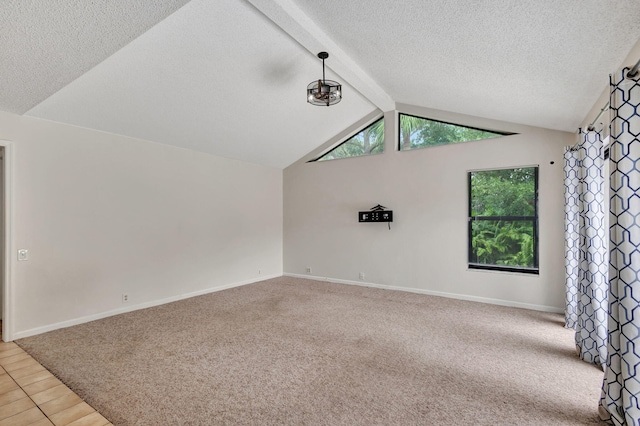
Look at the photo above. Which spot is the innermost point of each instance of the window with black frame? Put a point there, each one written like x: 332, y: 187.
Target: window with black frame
x: 419, y: 132
x: 503, y: 219
x: 367, y: 141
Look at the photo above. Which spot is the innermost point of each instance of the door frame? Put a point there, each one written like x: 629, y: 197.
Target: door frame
x: 7, y: 243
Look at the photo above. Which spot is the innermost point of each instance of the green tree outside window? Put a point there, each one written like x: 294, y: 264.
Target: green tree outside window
x: 366, y: 142
x: 418, y: 132
x: 503, y: 219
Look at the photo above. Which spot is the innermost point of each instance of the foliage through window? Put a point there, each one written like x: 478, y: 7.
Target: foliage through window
x: 367, y: 141
x: 417, y: 132
x: 503, y: 219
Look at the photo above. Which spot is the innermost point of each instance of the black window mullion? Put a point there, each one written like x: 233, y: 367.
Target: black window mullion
x: 470, y: 222
x: 535, y: 222
x: 503, y: 218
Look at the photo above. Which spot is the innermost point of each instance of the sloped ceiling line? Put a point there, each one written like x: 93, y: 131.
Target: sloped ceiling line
x: 214, y: 76
x: 227, y: 77
x: 288, y: 16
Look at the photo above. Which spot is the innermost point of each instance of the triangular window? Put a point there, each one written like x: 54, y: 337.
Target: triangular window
x: 367, y: 141
x: 418, y: 132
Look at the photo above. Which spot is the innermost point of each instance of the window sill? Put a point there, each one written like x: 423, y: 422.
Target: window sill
x: 507, y: 269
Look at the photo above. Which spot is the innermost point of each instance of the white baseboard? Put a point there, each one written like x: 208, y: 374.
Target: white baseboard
x: 488, y: 300
x: 82, y: 320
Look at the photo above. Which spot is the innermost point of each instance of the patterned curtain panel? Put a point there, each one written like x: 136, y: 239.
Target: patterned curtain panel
x: 621, y: 388
x: 586, y: 248
x: 571, y: 236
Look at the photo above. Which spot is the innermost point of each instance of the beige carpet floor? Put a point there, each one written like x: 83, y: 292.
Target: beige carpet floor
x: 300, y: 352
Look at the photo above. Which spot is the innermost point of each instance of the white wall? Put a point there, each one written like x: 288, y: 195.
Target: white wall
x: 426, y: 248
x: 104, y: 215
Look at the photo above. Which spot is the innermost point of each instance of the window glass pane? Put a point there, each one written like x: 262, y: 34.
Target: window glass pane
x: 502, y: 242
x: 503, y: 219
x: 366, y: 142
x: 508, y: 192
x: 417, y: 132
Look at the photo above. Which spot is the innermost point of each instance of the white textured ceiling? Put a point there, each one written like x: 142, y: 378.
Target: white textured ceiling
x: 217, y: 77
x: 536, y: 62
x: 227, y: 77
x: 46, y: 44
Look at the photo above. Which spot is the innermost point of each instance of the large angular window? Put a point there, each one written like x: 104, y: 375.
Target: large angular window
x: 418, y: 132
x: 367, y: 141
x: 503, y: 219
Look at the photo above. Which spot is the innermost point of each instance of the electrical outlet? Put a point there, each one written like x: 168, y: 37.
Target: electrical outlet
x: 23, y: 254
x: 308, y: 269
x: 362, y: 275
x: 125, y: 298
x: 259, y: 271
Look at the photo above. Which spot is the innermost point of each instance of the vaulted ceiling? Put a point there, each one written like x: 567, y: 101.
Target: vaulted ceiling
x: 228, y: 77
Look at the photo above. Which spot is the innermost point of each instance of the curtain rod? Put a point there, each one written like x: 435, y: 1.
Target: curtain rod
x: 633, y: 72
x: 604, y: 108
x: 576, y: 145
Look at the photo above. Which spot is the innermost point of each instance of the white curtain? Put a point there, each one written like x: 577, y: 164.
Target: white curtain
x: 571, y: 236
x: 586, y: 248
x: 621, y: 387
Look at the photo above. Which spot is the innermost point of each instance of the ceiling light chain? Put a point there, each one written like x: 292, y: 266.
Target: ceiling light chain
x: 324, y: 92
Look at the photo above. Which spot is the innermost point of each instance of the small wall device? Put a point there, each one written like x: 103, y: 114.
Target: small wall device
x: 376, y: 214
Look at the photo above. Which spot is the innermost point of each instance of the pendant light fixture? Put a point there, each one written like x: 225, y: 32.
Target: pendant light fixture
x: 324, y: 92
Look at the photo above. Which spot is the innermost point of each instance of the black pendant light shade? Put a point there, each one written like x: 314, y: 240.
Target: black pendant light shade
x: 324, y: 92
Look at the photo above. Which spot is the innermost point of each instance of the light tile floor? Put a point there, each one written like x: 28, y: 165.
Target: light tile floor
x: 32, y: 396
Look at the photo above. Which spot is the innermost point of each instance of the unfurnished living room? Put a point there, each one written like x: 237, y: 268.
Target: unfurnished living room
x: 296, y: 212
